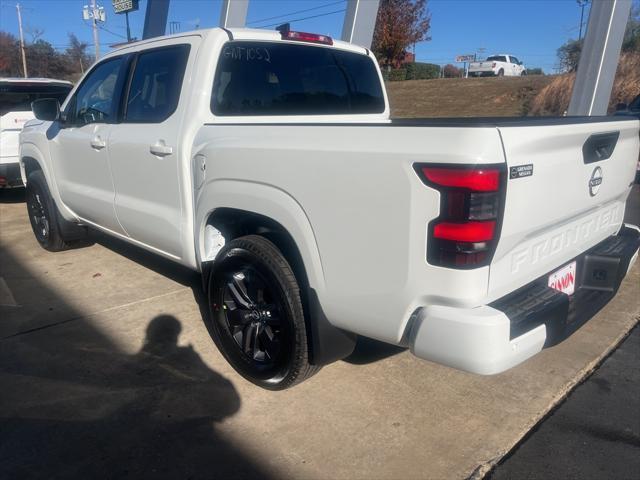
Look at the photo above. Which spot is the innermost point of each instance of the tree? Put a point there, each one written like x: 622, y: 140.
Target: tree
x: 535, y: 71
x: 400, y: 24
x: 451, y: 71
x: 569, y: 55
x: 77, y: 54
x: 631, y: 40
x: 44, y: 61
x: 10, y: 65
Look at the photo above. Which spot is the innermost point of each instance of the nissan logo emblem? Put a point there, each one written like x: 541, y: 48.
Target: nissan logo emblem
x: 595, y: 181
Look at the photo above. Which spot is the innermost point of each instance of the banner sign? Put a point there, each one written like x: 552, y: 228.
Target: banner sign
x: 465, y: 58
x: 125, y: 6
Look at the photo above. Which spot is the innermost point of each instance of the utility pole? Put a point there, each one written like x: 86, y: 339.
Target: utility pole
x: 581, y: 4
x: 24, y: 56
x: 95, y: 14
x: 96, y: 41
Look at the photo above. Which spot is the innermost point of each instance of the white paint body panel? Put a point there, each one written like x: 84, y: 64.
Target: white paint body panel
x: 351, y: 200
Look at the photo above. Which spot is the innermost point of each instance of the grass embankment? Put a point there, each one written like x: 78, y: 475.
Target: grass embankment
x: 465, y: 97
x: 554, y: 98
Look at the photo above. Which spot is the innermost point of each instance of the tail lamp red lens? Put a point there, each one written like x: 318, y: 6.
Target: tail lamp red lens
x: 307, y: 37
x: 465, y: 233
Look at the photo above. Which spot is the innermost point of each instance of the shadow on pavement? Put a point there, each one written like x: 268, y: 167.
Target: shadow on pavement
x: 367, y: 350
x: 73, y: 405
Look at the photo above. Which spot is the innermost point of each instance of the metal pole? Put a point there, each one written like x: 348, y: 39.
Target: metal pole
x: 234, y: 13
x: 96, y: 41
x: 126, y: 15
x: 155, y: 18
x: 582, y: 4
x: 360, y: 22
x: 24, y: 56
x: 599, y: 57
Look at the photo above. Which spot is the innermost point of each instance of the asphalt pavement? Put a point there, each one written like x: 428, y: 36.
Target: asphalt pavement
x: 594, y: 434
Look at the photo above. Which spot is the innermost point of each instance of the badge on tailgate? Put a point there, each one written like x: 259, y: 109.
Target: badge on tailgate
x: 564, y: 279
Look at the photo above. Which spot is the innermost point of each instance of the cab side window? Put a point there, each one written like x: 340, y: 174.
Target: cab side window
x: 155, y: 87
x: 94, y: 101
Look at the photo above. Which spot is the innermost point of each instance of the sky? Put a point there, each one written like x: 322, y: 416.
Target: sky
x: 532, y: 30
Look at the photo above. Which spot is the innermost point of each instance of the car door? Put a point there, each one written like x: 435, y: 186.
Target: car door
x: 511, y: 66
x: 144, y: 149
x: 79, y: 147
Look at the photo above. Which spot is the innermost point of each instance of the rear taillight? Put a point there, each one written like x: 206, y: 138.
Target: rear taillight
x: 465, y: 234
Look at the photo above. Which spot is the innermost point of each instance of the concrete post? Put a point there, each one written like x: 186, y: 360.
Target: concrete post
x: 155, y: 18
x: 234, y: 13
x: 599, y: 57
x: 360, y: 21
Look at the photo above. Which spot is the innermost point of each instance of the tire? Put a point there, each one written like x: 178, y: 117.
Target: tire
x: 257, y: 320
x: 523, y: 73
x: 50, y: 229
x: 501, y: 73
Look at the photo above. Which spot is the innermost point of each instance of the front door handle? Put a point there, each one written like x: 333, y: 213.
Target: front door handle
x: 97, y: 143
x: 160, y: 149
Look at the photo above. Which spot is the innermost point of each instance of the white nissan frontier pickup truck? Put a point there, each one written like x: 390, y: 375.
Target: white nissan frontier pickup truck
x: 267, y: 161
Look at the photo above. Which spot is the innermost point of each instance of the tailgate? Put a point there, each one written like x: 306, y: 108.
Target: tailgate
x: 480, y: 66
x: 568, y: 180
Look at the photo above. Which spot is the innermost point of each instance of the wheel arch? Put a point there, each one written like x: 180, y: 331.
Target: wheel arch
x: 244, y: 208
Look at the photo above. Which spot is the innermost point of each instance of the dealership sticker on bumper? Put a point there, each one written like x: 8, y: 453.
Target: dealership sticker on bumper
x: 564, y: 280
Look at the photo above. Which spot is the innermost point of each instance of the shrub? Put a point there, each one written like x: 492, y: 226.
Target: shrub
x: 534, y: 71
x: 451, y: 71
x: 395, y: 75
x: 422, y: 71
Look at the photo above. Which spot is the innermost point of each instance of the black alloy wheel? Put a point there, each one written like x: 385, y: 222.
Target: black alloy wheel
x: 257, y: 319
x: 38, y: 216
x: 252, y: 316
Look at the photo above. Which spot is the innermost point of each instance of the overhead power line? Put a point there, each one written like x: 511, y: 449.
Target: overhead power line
x: 112, y: 33
x: 294, y: 13
x: 304, y: 18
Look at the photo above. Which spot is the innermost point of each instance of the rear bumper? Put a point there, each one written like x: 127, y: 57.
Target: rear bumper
x: 495, y: 337
x: 10, y: 175
x: 482, y: 73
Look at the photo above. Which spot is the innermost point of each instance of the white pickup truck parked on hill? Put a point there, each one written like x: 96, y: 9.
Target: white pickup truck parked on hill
x: 498, y: 65
x: 268, y: 162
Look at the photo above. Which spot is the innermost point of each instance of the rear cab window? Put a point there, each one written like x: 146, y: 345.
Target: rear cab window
x: 275, y: 78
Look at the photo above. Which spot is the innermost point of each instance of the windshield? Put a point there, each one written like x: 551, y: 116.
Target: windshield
x: 18, y: 97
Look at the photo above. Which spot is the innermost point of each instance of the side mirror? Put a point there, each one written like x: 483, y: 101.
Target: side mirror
x: 47, y: 109
x: 621, y: 106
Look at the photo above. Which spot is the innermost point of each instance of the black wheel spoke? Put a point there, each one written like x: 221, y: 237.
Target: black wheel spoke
x: 237, y: 317
x: 247, y: 339
x: 253, y: 315
x: 269, y: 342
x: 238, y: 291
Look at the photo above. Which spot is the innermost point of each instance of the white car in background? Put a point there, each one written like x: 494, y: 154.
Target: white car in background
x: 498, y: 65
x: 16, y: 95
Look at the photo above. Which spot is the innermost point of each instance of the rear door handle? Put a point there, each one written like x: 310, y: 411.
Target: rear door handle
x: 97, y: 143
x: 161, y: 150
